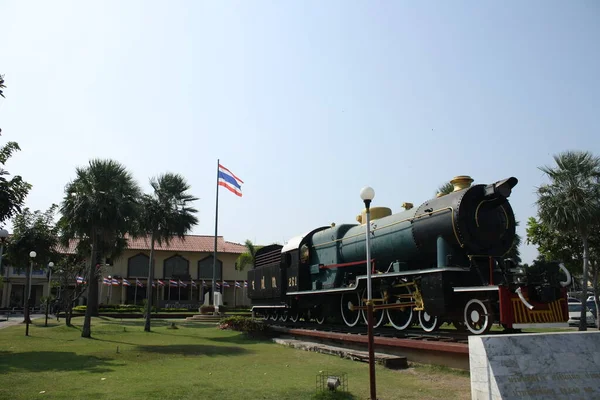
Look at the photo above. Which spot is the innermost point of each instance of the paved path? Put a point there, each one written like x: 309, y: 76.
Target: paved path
x: 17, y: 319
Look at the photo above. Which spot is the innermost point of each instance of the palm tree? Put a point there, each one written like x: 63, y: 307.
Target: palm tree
x: 100, y: 206
x: 248, y: 257
x: 571, y: 203
x: 165, y: 213
x: 445, y: 189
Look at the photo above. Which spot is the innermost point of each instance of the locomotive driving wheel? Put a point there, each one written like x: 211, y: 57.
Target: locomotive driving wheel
x: 478, y: 317
x: 378, y: 315
x: 401, y: 318
x: 429, y: 322
x: 348, y: 305
x: 293, y: 315
x: 283, y: 316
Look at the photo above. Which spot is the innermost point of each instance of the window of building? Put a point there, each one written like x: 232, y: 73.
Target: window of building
x: 176, y: 267
x: 137, y: 266
x: 205, y: 269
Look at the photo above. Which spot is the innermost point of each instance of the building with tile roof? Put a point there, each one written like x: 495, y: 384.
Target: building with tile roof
x: 187, y: 262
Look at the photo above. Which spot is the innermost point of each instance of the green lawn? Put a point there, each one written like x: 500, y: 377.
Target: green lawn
x: 195, y: 361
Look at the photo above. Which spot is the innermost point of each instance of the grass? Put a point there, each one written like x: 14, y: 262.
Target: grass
x: 195, y: 361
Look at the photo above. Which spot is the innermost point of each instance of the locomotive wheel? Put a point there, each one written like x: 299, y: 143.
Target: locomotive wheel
x: 351, y: 317
x: 401, y: 319
x: 293, y: 316
x: 428, y: 322
x: 284, y: 316
x: 274, y: 315
x: 378, y: 315
x: 478, y: 317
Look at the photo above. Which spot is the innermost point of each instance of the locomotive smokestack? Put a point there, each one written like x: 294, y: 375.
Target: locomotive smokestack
x: 461, y: 182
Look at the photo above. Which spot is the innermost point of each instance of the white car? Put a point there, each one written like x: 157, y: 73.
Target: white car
x: 575, y: 314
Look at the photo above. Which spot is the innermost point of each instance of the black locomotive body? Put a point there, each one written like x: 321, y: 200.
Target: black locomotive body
x: 443, y: 261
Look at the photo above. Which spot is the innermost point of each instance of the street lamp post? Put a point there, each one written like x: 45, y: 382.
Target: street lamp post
x: 367, y: 194
x: 32, y: 255
x: 50, y: 266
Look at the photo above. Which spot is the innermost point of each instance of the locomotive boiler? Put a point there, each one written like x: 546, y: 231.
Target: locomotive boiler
x: 442, y: 261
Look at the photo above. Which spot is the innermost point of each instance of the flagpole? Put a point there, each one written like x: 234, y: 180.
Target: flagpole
x: 135, y: 294
x: 215, y: 249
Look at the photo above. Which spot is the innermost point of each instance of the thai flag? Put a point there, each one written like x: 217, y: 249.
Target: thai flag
x: 194, y: 284
x: 238, y: 285
x: 80, y: 280
x: 115, y: 282
x: 229, y: 181
x: 106, y: 281
x: 138, y: 282
x: 172, y: 283
x: 161, y: 283
x: 126, y: 282
x: 225, y: 284
x: 246, y: 284
x: 218, y: 285
x: 182, y: 284
x: 203, y: 283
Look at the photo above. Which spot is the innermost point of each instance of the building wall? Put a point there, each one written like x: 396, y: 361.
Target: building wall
x: 120, y: 269
x: 14, y: 281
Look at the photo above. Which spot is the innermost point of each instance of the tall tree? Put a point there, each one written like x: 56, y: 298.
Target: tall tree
x: 13, y: 191
x: 571, y: 203
x: 2, y: 86
x: 100, y: 205
x: 165, y: 213
x: 248, y: 257
x: 32, y: 231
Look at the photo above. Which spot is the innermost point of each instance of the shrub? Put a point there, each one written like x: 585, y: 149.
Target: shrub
x: 243, y: 324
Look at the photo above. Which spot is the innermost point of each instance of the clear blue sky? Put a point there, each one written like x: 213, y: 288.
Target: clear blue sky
x: 305, y: 101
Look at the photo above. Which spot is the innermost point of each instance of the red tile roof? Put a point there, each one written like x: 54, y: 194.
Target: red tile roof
x: 195, y: 243
x: 191, y: 243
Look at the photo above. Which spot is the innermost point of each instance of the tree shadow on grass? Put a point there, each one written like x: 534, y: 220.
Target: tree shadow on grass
x: 40, y: 361
x: 195, y: 350
x: 241, y: 339
x: 179, y: 335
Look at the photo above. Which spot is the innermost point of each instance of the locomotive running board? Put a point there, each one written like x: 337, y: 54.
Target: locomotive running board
x: 492, y: 288
x: 378, y: 276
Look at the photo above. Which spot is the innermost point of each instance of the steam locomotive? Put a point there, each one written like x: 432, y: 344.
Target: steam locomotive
x: 441, y: 262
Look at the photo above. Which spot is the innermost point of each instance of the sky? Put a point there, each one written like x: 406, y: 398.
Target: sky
x: 306, y: 102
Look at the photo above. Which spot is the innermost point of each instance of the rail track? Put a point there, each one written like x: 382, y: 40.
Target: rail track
x: 447, y: 347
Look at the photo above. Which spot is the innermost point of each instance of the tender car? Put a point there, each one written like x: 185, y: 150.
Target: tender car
x: 575, y: 314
